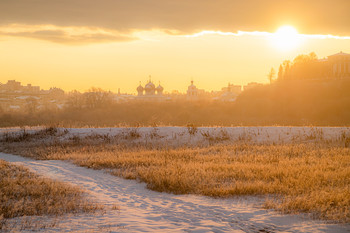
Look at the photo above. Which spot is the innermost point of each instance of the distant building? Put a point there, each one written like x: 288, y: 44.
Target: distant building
x: 230, y: 92
x: 192, y: 91
x: 339, y: 65
x: 11, y: 85
x: 32, y: 89
x: 150, y: 92
x: 251, y: 85
x: 56, y: 92
x: 123, y: 97
x: 140, y: 90
x: 14, y: 96
x: 150, y: 88
x: 336, y: 66
x: 231, y: 88
x: 159, y: 90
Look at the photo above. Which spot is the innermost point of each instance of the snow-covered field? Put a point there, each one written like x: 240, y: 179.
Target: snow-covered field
x: 142, y: 210
x: 175, y: 136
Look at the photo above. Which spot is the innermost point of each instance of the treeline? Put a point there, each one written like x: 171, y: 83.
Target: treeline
x: 297, y: 102
x: 179, y: 113
x: 282, y: 103
x: 304, y: 66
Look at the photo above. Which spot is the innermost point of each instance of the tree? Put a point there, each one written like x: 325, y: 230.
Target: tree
x: 305, y: 66
x: 280, y: 73
x: 286, y: 65
x: 31, y: 105
x: 75, y: 100
x: 271, y: 75
x: 97, y: 98
x: 304, y: 58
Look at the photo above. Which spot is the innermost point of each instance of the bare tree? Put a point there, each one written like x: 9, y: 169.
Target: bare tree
x: 287, y: 73
x: 271, y: 75
x: 280, y: 73
x: 97, y: 98
x: 31, y: 105
x: 75, y: 100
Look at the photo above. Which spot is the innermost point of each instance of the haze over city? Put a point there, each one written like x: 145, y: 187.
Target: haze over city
x: 115, y: 44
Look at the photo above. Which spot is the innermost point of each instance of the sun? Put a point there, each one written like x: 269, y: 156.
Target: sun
x: 286, y: 38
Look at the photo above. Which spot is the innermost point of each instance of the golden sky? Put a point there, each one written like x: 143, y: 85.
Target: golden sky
x: 76, y: 44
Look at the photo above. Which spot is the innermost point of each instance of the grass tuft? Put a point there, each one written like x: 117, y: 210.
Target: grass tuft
x: 23, y: 193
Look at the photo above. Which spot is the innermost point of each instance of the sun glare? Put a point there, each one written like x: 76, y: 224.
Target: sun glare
x: 286, y: 38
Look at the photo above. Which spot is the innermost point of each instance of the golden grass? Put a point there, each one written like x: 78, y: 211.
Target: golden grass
x: 23, y: 193
x: 297, y: 177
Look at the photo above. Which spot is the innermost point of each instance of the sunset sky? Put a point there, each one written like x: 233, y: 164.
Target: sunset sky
x: 111, y: 44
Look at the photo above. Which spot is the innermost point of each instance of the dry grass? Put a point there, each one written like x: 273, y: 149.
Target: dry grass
x: 23, y: 193
x: 303, y: 178
x: 299, y: 177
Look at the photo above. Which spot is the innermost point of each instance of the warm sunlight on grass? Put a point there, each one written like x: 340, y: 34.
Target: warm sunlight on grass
x: 23, y: 193
x: 299, y: 176
x: 286, y: 38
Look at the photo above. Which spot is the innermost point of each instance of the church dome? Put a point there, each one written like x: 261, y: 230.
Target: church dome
x: 150, y: 86
x: 160, y: 88
x: 192, y: 86
x: 139, y: 88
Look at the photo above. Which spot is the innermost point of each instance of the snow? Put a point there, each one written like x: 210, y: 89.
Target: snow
x: 27, y: 97
x: 142, y: 210
x: 180, y: 136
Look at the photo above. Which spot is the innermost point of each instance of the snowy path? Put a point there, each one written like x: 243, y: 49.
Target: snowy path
x: 142, y: 210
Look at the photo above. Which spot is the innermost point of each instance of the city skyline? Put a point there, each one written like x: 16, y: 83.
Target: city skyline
x: 16, y: 86
x: 330, y: 67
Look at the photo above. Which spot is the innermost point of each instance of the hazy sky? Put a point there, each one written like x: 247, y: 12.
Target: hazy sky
x: 76, y: 44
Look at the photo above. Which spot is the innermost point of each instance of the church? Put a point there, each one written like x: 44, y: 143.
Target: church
x: 339, y: 65
x: 150, y: 92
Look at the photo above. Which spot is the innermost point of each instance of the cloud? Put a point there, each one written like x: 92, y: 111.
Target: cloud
x: 180, y: 16
x: 266, y: 34
x: 64, y: 35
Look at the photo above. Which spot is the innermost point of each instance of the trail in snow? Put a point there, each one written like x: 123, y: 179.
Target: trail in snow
x: 142, y: 210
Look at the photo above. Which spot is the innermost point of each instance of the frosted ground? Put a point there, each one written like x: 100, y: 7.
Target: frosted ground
x: 192, y: 136
x: 142, y: 210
